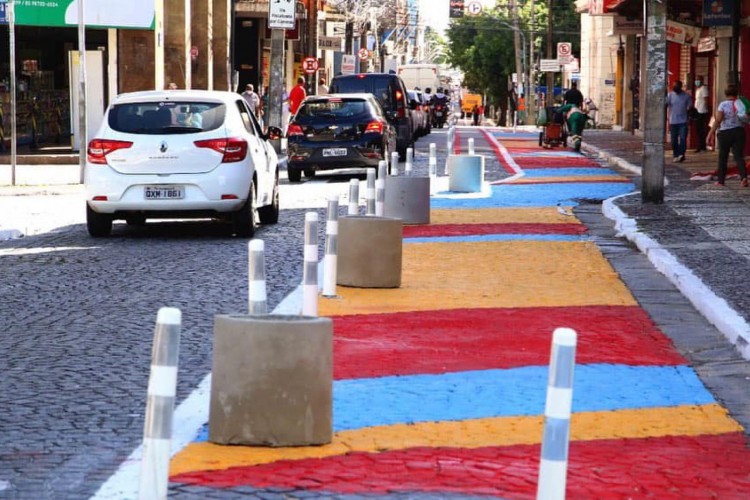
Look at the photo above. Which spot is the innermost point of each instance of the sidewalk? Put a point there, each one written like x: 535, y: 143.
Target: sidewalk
x: 704, y: 228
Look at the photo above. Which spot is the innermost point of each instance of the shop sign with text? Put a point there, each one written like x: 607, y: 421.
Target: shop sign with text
x: 717, y: 13
x: 135, y: 14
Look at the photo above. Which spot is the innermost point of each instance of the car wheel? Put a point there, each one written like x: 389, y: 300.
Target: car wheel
x: 245, y: 220
x: 98, y: 224
x: 136, y: 220
x: 270, y: 213
x: 309, y: 172
x: 294, y: 174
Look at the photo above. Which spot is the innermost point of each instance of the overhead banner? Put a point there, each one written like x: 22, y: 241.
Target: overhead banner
x: 134, y: 14
x: 457, y: 8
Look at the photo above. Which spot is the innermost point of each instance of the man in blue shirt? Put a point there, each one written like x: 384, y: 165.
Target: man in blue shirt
x: 678, y: 103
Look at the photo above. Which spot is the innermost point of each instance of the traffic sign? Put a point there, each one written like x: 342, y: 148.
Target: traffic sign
x: 474, y: 7
x: 281, y: 14
x: 564, y: 52
x: 363, y: 54
x: 549, y: 65
x: 310, y: 65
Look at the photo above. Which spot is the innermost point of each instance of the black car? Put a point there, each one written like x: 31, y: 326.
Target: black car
x: 338, y: 131
x: 390, y: 91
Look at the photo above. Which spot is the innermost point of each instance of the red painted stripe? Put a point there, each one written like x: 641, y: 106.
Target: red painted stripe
x: 456, y: 142
x: 444, y: 341
x: 570, y: 181
x: 498, y: 154
x: 499, y: 228
x: 664, y: 468
x: 554, y: 162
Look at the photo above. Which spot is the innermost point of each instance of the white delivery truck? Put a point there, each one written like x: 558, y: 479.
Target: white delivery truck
x: 420, y: 76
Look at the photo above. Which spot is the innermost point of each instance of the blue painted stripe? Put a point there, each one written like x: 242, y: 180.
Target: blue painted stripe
x: 517, y: 135
x: 538, y: 195
x: 515, y: 392
x: 496, y: 237
x: 546, y: 154
x: 565, y: 172
x: 522, y: 391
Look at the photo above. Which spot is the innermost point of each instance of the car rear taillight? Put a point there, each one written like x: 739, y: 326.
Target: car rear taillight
x: 100, y: 148
x: 233, y: 149
x: 374, y: 127
x: 294, y: 129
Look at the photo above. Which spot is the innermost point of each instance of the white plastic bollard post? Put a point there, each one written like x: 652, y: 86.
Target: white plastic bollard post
x: 471, y: 145
x: 409, y: 160
x: 370, y: 191
x: 394, y: 163
x: 353, y: 197
x: 553, y: 467
x: 257, y: 302
x: 380, y: 188
x: 449, y: 140
x: 331, y: 251
x: 433, y: 159
x: 310, y: 269
x: 162, y: 388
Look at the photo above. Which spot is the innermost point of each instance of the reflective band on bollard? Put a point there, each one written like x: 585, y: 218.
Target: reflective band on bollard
x: 394, y: 163
x: 353, y: 197
x: 380, y: 188
x: 433, y: 159
x: 331, y: 250
x: 310, y: 270
x: 162, y: 387
x: 256, y: 290
x: 370, y: 196
x: 553, y: 467
x: 409, y: 160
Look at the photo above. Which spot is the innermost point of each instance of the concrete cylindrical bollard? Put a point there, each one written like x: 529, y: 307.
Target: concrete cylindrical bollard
x: 409, y: 160
x: 330, y: 259
x: 433, y: 159
x: 162, y: 388
x: 466, y: 173
x: 370, y: 193
x: 256, y: 290
x: 394, y: 163
x: 553, y: 467
x: 370, y: 252
x: 310, y: 269
x: 353, y: 208
x: 408, y: 199
x: 471, y: 145
x: 271, y: 381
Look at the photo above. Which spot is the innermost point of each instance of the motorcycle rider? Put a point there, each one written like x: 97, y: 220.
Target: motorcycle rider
x: 440, y: 99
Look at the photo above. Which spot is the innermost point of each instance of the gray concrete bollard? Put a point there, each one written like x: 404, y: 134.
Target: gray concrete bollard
x: 370, y: 252
x: 256, y: 290
x: 408, y: 199
x: 394, y: 163
x: 331, y: 250
x: 162, y: 388
x: 371, y: 195
x: 466, y: 173
x: 272, y: 381
x: 310, y: 269
x: 409, y: 160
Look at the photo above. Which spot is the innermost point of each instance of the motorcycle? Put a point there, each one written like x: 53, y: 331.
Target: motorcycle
x: 440, y: 115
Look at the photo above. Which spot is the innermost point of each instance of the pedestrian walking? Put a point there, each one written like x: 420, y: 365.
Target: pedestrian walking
x: 252, y: 99
x: 678, y: 104
x: 475, y: 115
x: 574, y: 96
x: 322, y: 87
x: 730, y: 136
x: 701, y: 113
x: 297, y: 95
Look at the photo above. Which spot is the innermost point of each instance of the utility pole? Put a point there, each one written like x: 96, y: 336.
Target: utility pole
x: 652, y: 190
x: 276, y: 83
x: 549, y: 98
x: 531, y: 98
x: 517, y: 44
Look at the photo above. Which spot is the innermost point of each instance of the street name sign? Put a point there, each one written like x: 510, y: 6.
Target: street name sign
x: 281, y: 14
x: 549, y: 65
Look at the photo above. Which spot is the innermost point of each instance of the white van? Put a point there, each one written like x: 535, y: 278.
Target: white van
x: 420, y: 76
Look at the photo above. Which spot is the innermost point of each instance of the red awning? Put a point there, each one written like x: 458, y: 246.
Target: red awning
x: 600, y: 7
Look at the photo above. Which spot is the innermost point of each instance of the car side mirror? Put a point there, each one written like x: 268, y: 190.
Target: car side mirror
x: 273, y: 133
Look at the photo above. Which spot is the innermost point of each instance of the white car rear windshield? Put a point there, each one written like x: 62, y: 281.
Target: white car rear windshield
x: 166, y: 117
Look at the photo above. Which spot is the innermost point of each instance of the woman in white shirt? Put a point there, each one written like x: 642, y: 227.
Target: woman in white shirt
x: 730, y: 136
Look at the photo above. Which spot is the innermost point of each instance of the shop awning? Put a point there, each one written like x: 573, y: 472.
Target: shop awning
x: 601, y: 7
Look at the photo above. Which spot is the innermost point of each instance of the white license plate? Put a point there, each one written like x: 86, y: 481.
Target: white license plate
x: 335, y: 152
x: 164, y: 192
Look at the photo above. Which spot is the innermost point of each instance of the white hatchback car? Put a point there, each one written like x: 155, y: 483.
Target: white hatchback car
x: 181, y: 154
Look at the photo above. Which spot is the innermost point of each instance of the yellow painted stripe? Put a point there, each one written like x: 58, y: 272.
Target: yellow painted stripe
x: 544, y: 215
x: 505, y: 431
x: 567, y: 179
x: 460, y: 275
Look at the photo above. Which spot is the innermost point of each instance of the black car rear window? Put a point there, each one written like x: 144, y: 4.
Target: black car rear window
x: 378, y: 86
x: 166, y: 117
x: 334, y: 108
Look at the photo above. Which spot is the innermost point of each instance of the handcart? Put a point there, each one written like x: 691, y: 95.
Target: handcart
x: 554, y: 132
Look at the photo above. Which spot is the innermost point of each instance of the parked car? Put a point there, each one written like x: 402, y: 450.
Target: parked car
x: 420, y: 113
x: 181, y: 154
x: 390, y: 92
x: 338, y: 131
